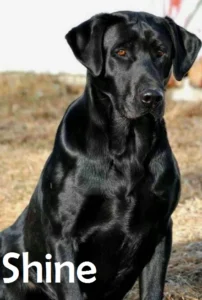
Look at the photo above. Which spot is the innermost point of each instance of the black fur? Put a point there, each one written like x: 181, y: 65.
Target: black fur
x: 111, y: 183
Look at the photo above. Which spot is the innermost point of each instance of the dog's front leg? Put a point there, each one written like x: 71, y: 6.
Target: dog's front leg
x: 65, y: 289
x: 152, y: 278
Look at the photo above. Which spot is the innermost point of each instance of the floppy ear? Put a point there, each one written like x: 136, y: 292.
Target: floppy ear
x: 186, y: 47
x: 85, y: 41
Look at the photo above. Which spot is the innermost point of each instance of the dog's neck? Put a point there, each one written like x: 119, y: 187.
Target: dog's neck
x: 119, y: 130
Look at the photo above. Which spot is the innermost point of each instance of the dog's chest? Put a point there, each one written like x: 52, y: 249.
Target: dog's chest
x: 127, y: 174
x: 115, y: 190
x: 112, y: 229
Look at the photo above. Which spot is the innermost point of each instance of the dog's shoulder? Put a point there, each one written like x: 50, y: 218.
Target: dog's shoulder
x: 70, y: 135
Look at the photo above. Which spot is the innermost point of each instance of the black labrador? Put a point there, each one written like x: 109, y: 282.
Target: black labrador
x: 111, y: 183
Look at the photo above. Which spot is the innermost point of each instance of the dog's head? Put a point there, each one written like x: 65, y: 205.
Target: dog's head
x: 131, y: 54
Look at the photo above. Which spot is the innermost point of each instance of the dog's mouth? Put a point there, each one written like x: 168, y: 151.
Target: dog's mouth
x: 157, y: 110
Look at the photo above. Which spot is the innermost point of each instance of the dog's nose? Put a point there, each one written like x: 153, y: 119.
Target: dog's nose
x: 152, y: 96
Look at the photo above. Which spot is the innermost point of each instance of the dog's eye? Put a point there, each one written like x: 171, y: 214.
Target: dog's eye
x: 121, y: 52
x: 160, y: 53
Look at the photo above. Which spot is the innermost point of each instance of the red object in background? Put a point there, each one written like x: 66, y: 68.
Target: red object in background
x: 174, y: 6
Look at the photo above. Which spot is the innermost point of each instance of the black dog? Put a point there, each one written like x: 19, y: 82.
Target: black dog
x: 107, y: 191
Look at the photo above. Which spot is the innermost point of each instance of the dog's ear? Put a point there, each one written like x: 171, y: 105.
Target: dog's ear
x: 85, y: 41
x: 186, y: 47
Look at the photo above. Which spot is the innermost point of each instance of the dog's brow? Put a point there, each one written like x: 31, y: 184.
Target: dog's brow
x: 124, y: 43
x: 155, y: 42
x: 153, y: 38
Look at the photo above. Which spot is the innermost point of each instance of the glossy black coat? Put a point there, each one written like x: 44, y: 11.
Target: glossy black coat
x: 111, y: 183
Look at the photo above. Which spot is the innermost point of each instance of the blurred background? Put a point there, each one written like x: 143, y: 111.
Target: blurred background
x: 39, y: 77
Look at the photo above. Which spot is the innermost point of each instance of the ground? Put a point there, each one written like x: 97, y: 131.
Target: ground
x: 31, y: 109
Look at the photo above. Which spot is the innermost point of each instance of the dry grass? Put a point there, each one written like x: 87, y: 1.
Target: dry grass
x: 31, y: 108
